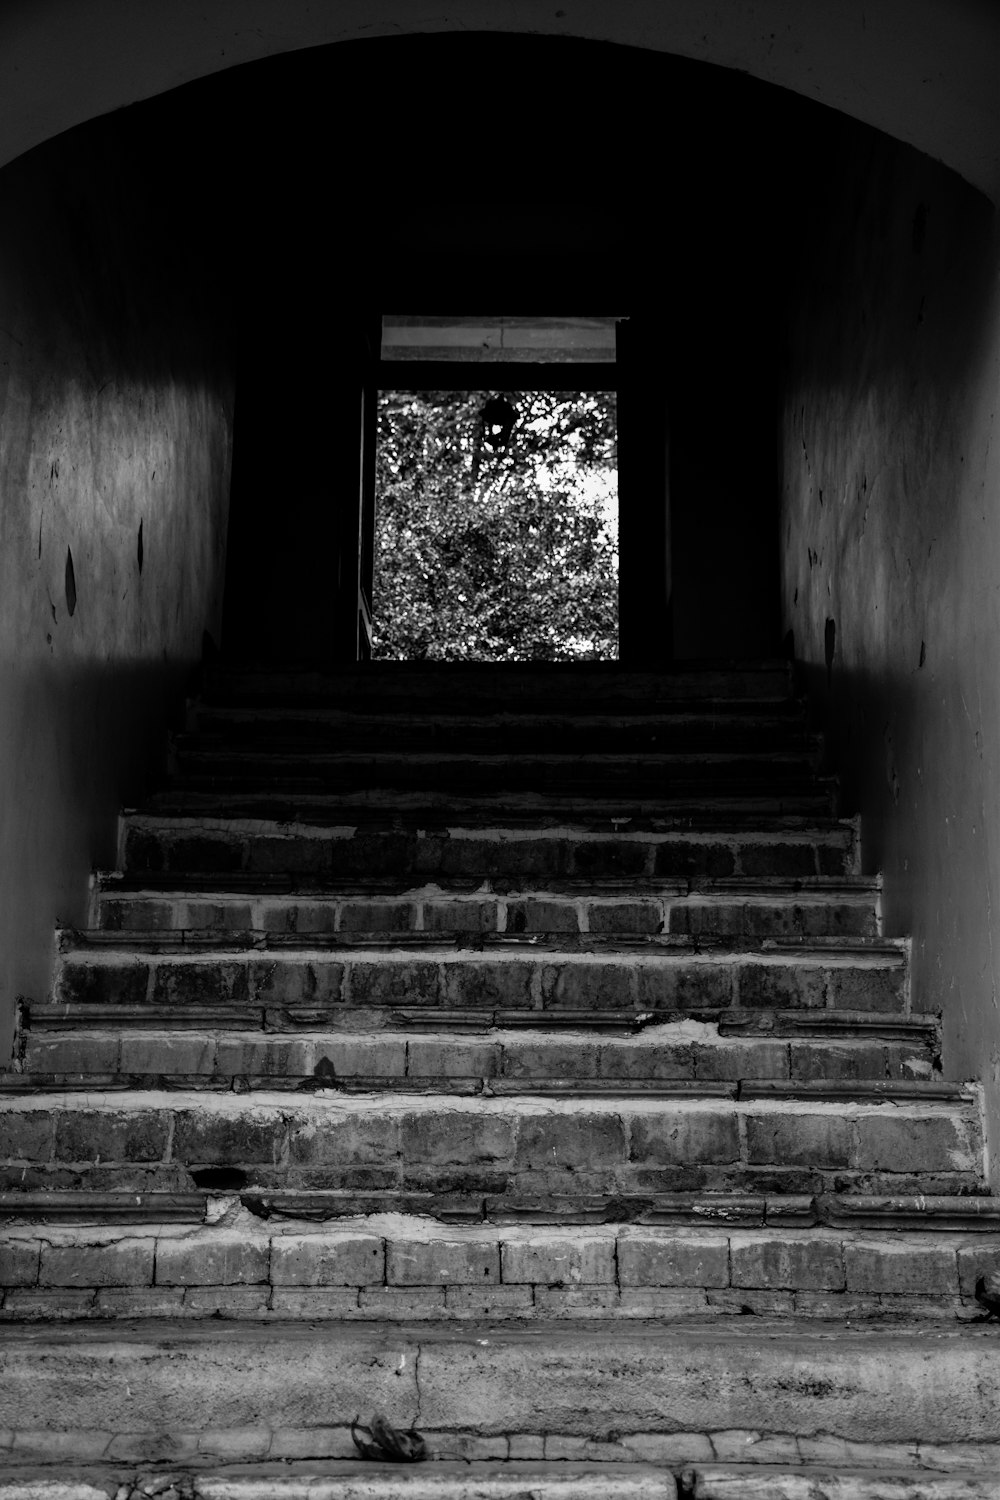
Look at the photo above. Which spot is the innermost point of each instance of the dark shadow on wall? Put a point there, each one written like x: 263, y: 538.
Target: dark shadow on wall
x: 891, y: 535
x: 115, y: 413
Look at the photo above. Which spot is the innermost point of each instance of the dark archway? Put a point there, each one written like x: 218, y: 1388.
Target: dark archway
x: 923, y: 71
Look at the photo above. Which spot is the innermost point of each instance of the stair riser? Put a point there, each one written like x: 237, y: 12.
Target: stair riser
x: 656, y: 772
x: 660, y: 983
x: 501, y: 1145
x: 448, y: 1062
x: 409, y: 856
x: 371, y: 1268
x: 892, y: 1389
x: 678, y: 733
x: 449, y: 688
x: 495, y: 913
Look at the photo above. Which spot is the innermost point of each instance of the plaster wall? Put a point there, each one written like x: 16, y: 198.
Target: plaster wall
x: 115, y: 422
x: 890, y: 528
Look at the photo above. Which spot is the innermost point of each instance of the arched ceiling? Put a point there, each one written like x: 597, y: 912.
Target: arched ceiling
x: 925, y: 71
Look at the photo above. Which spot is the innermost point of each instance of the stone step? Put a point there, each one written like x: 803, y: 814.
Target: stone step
x: 767, y: 1482
x: 730, y: 909
x: 514, y: 1058
x: 200, y: 758
x: 452, y: 686
x: 148, y: 1139
x: 643, y: 976
x: 417, y: 849
x: 254, y: 798
x: 680, y: 727
x: 398, y: 1266
x: 675, y: 1394
x: 347, y: 1479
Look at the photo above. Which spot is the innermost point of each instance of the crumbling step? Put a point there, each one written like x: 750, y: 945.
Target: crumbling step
x: 524, y: 1144
x: 968, y: 1214
x: 523, y: 1057
x: 337, y: 971
x: 452, y: 686
x: 446, y: 847
x: 168, y: 1389
x: 406, y: 1268
x: 815, y: 907
x: 341, y: 1479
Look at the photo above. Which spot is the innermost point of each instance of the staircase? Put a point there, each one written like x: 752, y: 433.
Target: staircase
x: 513, y: 1051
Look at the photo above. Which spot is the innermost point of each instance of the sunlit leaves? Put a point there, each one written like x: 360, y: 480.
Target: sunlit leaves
x: 508, y: 555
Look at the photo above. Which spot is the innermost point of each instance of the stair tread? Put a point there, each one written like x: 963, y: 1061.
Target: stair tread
x: 513, y: 1479
x: 763, y: 887
x: 349, y: 1479
x: 324, y: 1100
x: 589, y: 824
x: 681, y: 1387
x: 336, y: 809
x: 451, y: 945
x: 454, y: 1085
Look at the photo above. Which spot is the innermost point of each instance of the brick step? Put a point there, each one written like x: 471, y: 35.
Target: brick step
x: 331, y: 971
x: 511, y: 1059
x: 402, y: 1267
x: 918, y: 1482
x: 764, y: 908
x: 146, y: 1140
x: 672, y: 1393
x: 420, y: 848
x: 681, y: 727
x: 347, y: 1479
x: 455, y: 684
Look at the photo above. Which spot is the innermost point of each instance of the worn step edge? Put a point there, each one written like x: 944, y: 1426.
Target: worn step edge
x: 345, y: 1479
x: 457, y: 1085
x: 513, y: 1480
x: 720, y: 1098
x: 630, y: 824
x: 709, y: 889
x: 99, y: 945
x: 925, y: 1215
x: 815, y: 1024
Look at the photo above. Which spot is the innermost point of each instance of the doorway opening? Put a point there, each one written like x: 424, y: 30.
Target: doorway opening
x: 496, y: 493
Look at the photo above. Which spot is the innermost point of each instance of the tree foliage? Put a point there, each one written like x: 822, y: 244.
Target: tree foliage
x: 496, y: 552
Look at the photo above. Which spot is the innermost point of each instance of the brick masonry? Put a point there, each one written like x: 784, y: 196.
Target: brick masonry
x: 372, y: 1267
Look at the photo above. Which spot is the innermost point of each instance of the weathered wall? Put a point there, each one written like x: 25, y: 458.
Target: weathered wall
x: 115, y: 421
x: 891, y: 555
